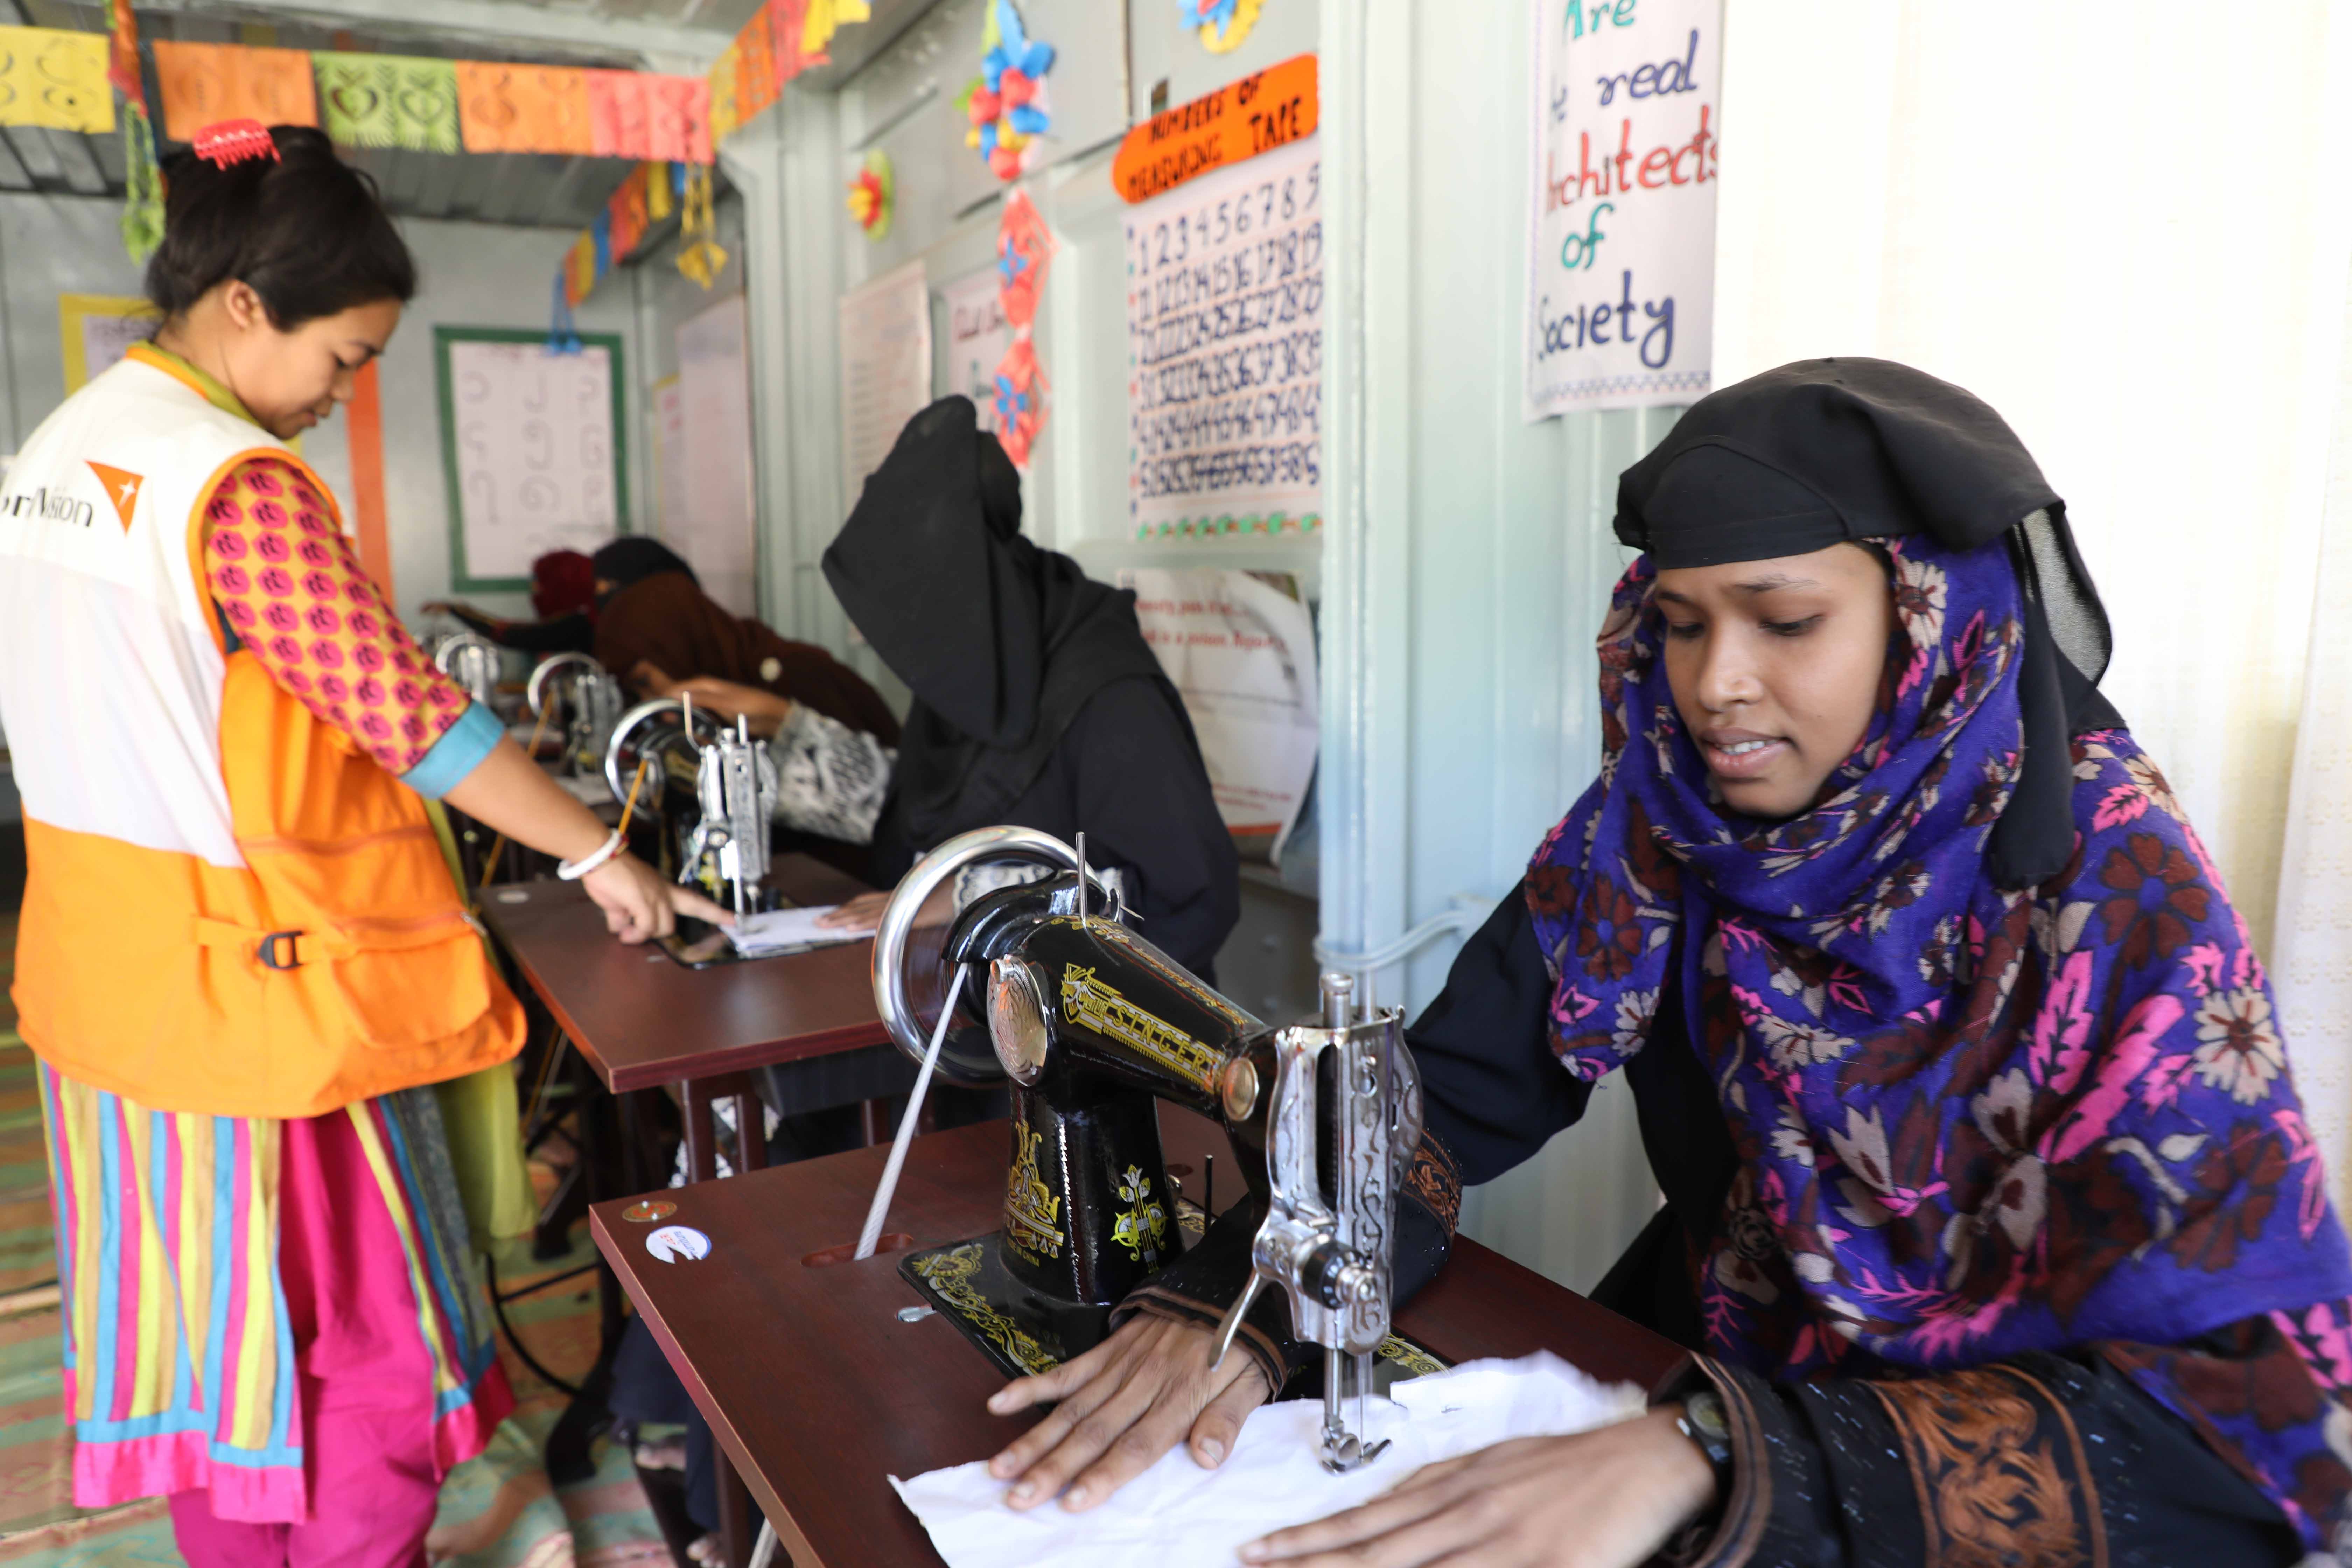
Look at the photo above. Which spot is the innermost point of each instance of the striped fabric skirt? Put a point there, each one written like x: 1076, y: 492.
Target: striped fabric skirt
x: 197, y: 1258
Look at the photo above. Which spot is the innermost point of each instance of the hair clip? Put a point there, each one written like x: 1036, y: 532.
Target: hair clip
x: 234, y: 140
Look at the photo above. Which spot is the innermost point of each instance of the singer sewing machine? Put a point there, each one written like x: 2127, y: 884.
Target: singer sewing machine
x: 1091, y: 1025
x: 588, y: 699
x: 713, y: 788
x: 473, y: 661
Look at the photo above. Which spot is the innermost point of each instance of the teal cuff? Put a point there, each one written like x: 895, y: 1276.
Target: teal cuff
x: 458, y: 751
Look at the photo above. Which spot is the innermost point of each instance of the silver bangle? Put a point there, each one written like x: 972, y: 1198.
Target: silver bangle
x: 573, y: 870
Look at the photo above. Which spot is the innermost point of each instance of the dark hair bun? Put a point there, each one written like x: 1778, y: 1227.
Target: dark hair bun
x: 305, y: 230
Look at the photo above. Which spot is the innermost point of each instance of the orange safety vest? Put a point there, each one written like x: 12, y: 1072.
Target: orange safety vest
x: 231, y: 909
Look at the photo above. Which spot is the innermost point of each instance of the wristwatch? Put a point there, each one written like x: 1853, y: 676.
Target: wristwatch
x: 1703, y: 1422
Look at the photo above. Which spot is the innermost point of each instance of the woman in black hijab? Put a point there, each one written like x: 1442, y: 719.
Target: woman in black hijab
x: 1037, y: 702
x: 1990, y: 1221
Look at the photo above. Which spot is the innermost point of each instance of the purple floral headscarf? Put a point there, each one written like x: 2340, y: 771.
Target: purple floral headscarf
x: 1971, y: 1121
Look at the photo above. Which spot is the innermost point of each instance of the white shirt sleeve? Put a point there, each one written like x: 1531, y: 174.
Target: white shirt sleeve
x: 834, y: 778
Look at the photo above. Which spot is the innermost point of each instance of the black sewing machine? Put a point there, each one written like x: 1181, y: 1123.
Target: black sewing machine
x: 1091, y: 1025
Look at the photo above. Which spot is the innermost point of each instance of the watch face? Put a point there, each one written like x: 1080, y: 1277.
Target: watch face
x: 1705, y: 1413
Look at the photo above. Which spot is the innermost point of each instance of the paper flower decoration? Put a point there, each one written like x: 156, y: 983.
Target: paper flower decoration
x: 1223, y: 24
x: 1020, y: 399
x: 871, y: 194
x: 1007, y: 103
x: 1024, y: 251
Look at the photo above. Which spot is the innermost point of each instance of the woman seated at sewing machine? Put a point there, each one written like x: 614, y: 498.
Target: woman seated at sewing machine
x: 1037, y: 701
x: 562, y: 597
x: 1990, y: 1216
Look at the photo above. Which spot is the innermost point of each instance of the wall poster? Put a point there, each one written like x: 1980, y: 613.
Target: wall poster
x: 1224, y: 320
x: 532, y: 450
x: 96, y: 329
x: 885, y: 368
x: 1620, y: 222
x: 1240, y: 648
x: 978, y: 337
x: 717, y: 530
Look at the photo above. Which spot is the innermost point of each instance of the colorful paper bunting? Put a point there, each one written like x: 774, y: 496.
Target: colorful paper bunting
x: 873, y: 193
x: 142, y: 176
x: 627, y: 210
x: 1222, y: 23
x: 204, y: 84
x: 632, y: 114
x: 523, y: 108
x: 1007, y: 103
x: 700, y: 255
x: 55, y: 78
x: 825, y: 18
x: 721, y: 80
x: 661, y: 182
x: 388, y: 100
x: 757, y: 83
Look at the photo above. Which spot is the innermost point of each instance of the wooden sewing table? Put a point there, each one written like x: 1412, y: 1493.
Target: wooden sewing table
x: 641, y: 1020
x: 816, y: 1390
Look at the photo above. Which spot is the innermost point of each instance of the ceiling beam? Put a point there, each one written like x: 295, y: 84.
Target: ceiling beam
x: 514, y: 25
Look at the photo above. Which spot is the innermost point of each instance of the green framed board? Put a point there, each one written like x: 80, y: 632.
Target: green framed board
x: 534, y: 449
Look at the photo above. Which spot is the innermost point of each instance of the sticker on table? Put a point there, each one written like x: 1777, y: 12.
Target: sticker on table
x: 678, y: 1243
x: 645, y: 1211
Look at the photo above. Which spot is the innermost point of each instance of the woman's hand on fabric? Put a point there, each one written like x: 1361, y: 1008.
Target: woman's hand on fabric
x: 864, y: 912
x: 1604, y: 1499
x: 1122, y: 1404
x: 640, y: 903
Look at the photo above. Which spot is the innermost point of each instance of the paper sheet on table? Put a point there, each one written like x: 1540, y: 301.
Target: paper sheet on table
x: 773, y: 929
x: 1178, y: 1515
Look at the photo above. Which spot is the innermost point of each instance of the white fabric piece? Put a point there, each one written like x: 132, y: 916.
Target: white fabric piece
x: 776, y: 929
x: 1178, y: 1515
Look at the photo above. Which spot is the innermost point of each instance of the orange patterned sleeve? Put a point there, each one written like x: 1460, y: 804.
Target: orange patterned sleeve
x: 292, y: 588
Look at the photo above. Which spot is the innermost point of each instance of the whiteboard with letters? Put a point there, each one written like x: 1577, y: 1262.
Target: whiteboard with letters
x: 531, y: 446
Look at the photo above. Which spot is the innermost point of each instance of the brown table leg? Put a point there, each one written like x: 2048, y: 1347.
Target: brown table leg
x: 735, y: 1527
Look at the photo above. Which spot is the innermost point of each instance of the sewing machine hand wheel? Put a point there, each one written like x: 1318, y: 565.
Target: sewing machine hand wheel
x: 910, y: 976
x: 544, y: 678
x: 640, y: 736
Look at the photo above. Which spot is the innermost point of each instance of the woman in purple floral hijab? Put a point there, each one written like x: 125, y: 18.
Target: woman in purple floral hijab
x: 1991, y: 1217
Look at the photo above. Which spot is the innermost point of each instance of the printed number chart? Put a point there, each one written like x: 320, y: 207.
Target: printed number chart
x: 1224, y: 323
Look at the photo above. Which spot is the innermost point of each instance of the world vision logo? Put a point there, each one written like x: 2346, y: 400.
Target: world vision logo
x: 121, y: 489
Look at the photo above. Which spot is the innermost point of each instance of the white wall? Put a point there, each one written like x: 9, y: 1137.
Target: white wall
x: 472, y: 275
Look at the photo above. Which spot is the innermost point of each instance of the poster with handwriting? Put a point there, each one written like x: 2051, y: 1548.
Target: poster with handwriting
x: 533, y: 465
x: 886, y: 367
x: 1240, y: 648
x: 1225, y: 320
x: 1620, y: 230
x: 978, y: 336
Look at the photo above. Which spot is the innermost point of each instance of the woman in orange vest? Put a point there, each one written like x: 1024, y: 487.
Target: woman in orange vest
x: 242, y: 959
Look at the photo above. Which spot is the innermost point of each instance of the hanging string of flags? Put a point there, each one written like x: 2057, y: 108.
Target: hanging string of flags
x: 69, y: 80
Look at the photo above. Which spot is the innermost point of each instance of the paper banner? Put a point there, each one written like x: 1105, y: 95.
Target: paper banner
x: 756, y: 79
x: 633, y: 114
x: 122, y: 53
x: 523, y: 108
x: 825, y: 18
x: 1024, y: 252
x: 1241, y: 119
x: 628, y: 208
x: 388, y: 100
x: 55, y: 78
x: 723, y: 116
x: 204, y: 84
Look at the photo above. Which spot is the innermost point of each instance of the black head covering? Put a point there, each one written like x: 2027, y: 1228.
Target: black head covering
x: 1000, y: 642
x: 1828, y: 450
x: 632, y: 558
